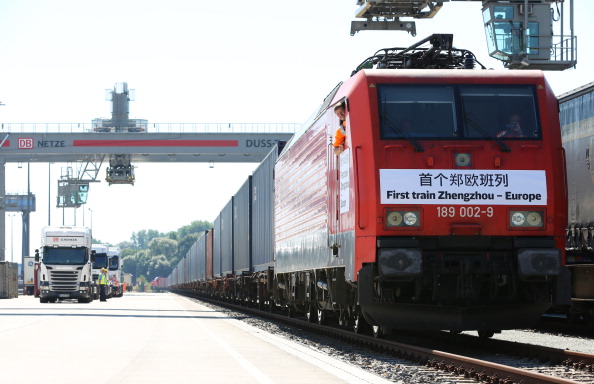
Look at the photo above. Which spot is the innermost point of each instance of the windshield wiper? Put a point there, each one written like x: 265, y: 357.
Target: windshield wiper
x: 470, y: 121
x: 417, y: 146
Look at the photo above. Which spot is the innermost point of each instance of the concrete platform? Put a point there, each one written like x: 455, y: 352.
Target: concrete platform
x: 151, y: 338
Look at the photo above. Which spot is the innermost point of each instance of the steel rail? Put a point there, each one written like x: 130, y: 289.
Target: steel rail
x: 466, y: 367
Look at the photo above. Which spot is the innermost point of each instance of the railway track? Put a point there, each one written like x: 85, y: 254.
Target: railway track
x: 498, y: 361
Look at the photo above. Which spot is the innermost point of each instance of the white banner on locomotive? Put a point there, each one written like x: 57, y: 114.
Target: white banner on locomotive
x: 468, y: 186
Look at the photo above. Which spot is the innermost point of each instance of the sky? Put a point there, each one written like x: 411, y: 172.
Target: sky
x: 191, y: 62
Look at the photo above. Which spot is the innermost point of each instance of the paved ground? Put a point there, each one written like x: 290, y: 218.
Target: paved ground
x: 151, y: 338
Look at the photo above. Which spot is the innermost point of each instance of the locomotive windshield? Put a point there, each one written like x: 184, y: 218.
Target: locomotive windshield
x: 458, y: 112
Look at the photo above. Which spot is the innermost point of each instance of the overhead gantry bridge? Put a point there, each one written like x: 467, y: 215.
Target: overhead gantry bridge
x: 159, y: 143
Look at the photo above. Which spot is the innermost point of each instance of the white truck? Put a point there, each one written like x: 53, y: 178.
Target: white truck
x: 115, y: 271
x: 65, y: 269
x: 101, y: 261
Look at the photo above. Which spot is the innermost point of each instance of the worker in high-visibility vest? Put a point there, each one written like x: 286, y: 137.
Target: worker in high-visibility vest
x: 103, y: 281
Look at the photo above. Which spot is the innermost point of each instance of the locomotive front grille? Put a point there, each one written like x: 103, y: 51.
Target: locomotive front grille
x: 64, y: 281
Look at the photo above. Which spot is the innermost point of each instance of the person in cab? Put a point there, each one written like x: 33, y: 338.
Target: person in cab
x: 340, y: 135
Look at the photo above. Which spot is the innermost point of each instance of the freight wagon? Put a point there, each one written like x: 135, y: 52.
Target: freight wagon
x: 577, y: 126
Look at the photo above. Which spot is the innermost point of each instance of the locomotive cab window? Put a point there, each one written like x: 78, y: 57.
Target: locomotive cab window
x: 505, y: 112
x: 472, y: 112
x: 419, y: 112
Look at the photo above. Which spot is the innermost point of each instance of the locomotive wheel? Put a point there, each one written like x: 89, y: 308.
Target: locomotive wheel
x: 290, y: 311
x: 311, y: 314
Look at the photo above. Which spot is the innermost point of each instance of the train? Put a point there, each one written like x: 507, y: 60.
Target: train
x: 427, y: 219
x: 576, y: 111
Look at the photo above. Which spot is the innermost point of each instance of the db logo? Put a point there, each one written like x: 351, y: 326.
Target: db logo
x: 25, y: 142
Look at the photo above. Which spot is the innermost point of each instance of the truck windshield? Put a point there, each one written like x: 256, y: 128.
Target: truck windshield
x: 474, y: 112
x: 114, y: 263
x: 100, y: 261
x: 65, y: 256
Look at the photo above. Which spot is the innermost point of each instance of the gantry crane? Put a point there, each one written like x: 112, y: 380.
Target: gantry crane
x: 73, y: 189
x: 534, y: 34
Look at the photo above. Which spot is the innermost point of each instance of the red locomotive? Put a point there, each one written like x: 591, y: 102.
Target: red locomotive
x: 433, y: 215
x: 429, y: 218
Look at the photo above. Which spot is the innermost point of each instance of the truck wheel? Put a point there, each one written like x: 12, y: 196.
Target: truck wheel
x: 43, y: 300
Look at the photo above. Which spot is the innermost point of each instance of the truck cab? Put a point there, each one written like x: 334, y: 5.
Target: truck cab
x: 65, y: 268
x: 115, y: 271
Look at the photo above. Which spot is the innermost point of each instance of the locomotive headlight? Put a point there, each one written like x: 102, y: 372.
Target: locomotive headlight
x: 518, y: 219
x: 394, y: 219
x: 534, y: 219
x: 526, y: 219
x: 410, y: 218
x: 402, y: 218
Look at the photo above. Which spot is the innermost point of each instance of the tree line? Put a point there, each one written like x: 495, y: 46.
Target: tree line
x: 151, y: 253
